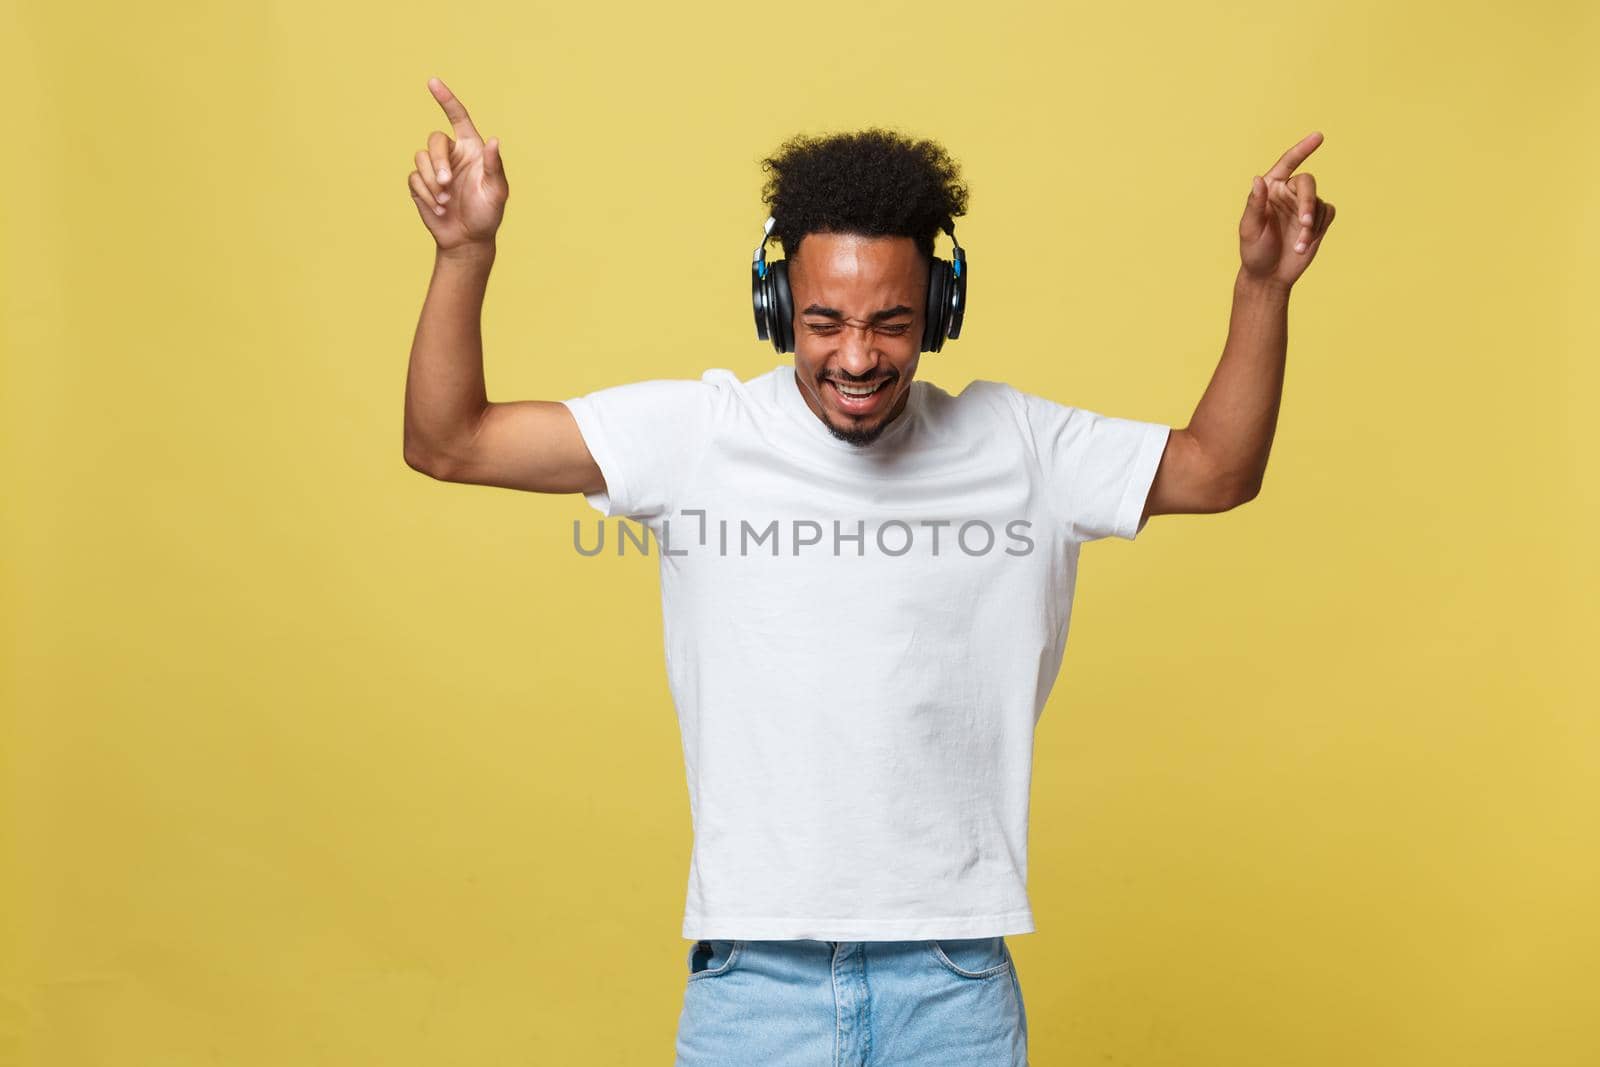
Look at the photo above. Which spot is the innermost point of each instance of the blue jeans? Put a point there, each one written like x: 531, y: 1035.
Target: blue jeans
x: 800, y: 1003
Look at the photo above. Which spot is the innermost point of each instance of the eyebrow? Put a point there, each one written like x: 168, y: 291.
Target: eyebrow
x: 876, y: 316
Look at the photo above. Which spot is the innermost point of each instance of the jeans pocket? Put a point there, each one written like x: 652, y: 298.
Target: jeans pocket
x: 713, y: 958
x: 972, y: 957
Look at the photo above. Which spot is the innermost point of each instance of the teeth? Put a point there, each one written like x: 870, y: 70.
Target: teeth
x: 857, y: 391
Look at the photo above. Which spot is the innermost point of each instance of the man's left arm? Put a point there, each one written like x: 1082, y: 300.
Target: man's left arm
x: 1219, y: 460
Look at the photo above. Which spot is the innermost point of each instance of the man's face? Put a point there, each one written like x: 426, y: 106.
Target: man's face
x: 859, y: 308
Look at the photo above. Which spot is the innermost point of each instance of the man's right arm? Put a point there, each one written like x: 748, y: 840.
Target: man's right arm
x: 453, y: 432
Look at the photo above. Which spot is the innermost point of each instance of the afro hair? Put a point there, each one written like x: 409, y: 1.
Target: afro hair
x: 873, y: 182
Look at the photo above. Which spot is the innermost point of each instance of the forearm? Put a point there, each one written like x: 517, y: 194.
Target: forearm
x: 445, y: 394
x: 1236, y: 417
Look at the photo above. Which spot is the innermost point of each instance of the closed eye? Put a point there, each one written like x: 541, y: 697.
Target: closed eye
x: 831, y: 327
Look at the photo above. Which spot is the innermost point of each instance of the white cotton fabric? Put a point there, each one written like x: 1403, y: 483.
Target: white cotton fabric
x: 858, y: 727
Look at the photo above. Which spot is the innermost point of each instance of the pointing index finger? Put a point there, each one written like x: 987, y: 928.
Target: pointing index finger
x: 1295, y: 156
x: 459, y: 121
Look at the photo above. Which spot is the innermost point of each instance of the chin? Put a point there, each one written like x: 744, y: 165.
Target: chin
x: 856, y: 433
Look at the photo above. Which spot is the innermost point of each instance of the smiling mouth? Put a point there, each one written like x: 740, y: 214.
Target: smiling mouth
x: 861, y: 400
x: 858, y: 390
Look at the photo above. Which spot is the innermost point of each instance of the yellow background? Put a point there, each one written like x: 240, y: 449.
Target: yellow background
x: 309, y: 759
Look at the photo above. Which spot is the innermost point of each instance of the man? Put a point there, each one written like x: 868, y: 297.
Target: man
x: 866, y: 586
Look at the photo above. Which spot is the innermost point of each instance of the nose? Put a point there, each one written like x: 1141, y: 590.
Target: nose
x: 856, y: 356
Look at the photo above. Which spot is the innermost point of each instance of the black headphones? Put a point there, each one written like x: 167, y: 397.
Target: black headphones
x: 769, y: 287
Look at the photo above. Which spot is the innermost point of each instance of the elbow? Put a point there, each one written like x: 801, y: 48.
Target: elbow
x: 1237, y: 486
x: 424, y: 461
x: 444, y: 456
x: 1244, y: 493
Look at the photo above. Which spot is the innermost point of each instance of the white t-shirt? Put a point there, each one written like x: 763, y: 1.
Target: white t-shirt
x: 859, y: 640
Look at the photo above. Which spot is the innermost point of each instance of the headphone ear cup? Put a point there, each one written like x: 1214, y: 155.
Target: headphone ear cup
x: 770, y: 295
x: 937, y: 316
x: 958, y: 300
x: 761, y: 298
x: 782, y: 307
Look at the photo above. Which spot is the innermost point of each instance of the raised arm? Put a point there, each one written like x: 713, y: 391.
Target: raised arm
x: 1219, y: 460
x: 453, y: 432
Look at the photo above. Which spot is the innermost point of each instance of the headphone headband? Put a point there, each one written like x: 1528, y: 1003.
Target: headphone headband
x: 760, y: 261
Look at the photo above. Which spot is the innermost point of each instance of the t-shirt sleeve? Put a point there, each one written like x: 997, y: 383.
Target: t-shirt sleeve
x: 647, y: 437
x: 1098, y: 469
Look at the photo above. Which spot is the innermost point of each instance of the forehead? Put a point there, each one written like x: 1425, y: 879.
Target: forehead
x: 847, y: 267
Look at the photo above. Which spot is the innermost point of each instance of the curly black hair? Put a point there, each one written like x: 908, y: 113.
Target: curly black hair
x: 873, y: 182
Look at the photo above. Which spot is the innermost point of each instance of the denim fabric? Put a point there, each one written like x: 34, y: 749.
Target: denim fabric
x: 800, y: 1003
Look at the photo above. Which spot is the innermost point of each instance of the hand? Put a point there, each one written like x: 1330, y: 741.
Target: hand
x: 1283, y: 220
x: 459, y: 186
